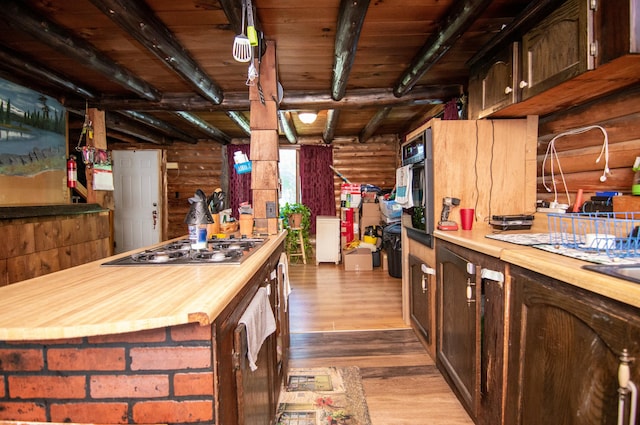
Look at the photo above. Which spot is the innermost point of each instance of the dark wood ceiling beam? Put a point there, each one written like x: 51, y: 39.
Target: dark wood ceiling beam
x: 139, y: 21
x: 333, y: 115
x: 233, y: 10
x: 159, y: 125
x: 204, y: 127
x: 292, y: 100
x: 28, y: 67
x: 287, y: 126
x: 241, y: 121
x: 373, y: 124
x: 21, y: 18
x: 124, y: 125
x: 350, y: 20
x: 460, y: 17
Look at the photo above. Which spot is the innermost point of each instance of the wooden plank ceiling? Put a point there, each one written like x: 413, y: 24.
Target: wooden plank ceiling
x: 164, y: 71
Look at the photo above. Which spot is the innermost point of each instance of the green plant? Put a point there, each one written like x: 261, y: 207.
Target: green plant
x: 292, y: 241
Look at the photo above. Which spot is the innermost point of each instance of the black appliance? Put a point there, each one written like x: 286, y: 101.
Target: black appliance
x: 227, y: 251
x: 417, y: 153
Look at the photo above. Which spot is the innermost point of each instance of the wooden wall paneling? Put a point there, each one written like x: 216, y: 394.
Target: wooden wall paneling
x: 373, y: 162
x: 4, y: 274
x: 619, y: 114
x: 48, y: 234
x: 20, y: 239
x: 199, y: 166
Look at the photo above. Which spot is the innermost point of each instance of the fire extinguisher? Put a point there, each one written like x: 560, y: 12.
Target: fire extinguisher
x: 72, y: 172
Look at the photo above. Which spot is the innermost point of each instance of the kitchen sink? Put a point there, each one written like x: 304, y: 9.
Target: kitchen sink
x: 630, y: 272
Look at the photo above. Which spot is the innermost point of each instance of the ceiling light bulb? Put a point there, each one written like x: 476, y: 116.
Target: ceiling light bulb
x: 307, y: 117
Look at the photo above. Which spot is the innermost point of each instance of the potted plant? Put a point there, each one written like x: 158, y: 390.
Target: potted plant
x: 290, y: 214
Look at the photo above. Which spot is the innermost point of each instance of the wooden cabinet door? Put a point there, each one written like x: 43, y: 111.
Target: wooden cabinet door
x: 566, y: 348
x: 458, y: 344
x: 492, y: 86
x: 558, y: 48
x: 420, y: 297
x: 254, y: 388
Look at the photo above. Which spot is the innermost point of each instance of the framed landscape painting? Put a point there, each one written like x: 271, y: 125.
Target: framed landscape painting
x: 33, y: 147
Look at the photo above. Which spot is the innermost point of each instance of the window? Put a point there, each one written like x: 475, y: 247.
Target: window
x: 289, y: 192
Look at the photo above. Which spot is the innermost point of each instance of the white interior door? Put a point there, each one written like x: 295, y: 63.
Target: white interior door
x: 137, y: 196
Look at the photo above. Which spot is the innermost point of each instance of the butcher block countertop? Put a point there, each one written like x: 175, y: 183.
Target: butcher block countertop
x: 91, y: 299
x: 557, y: 266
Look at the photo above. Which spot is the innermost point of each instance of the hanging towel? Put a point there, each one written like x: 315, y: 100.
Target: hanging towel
x: 260, y: 323
x: 283, y: 278
x: 404, y: 182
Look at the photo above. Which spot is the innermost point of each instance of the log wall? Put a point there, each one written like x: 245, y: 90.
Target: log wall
x: 619, y: 115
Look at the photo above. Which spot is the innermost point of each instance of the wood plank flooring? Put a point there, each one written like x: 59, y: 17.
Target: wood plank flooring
x: 343, y: 318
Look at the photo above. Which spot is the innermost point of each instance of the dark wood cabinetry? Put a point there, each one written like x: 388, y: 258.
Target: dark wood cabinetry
x: 566, y: 348
x: 471, y: 329
x: 422, y: 285
x: 558, y: 48
x: 494, y: 83
x: 249, y: 397
x: 581, y: 50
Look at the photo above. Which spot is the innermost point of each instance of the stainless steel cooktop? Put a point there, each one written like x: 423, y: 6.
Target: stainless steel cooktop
x: 218, y: 251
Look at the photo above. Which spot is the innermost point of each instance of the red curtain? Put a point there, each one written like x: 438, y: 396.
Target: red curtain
x: 451, y: 110
x: 316, y: 181
x: 239, y: 184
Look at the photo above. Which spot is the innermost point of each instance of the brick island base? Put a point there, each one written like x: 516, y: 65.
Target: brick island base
x: 156, y: 376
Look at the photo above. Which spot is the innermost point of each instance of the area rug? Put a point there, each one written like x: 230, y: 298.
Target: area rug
x: 323, y: 396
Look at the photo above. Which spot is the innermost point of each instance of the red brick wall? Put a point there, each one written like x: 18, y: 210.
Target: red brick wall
x: 158, y: 376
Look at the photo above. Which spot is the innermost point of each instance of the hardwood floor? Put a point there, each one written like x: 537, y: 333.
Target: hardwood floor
x: 340, y: 318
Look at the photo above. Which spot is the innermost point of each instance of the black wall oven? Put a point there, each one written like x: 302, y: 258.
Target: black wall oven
x: 417, y: 202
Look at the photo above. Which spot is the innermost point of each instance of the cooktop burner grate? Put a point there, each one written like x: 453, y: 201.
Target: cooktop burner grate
x: 218, y: 251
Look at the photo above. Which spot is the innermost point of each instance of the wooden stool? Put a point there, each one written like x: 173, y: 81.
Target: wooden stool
x: 300, y: 243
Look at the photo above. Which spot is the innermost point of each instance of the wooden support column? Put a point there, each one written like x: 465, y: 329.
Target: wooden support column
x: 264, y: 145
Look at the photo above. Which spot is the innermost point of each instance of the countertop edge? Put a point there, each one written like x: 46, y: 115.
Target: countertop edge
x: 34, y: 211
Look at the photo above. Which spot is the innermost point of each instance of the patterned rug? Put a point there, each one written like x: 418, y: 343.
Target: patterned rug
x: 323, y: 396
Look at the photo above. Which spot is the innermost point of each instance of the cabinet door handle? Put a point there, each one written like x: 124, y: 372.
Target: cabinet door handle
x: 426, y: 273
x: 508, y: 90
x: 470, y: 286
x: 626, y: 387
x: 523, y: 84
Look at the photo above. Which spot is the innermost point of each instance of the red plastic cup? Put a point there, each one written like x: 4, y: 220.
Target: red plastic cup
x: 466, y: 218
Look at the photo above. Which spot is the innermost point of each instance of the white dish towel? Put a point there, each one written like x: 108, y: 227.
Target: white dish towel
x: 404, y: 182
x: 260, y: 323
x: 283, y: 279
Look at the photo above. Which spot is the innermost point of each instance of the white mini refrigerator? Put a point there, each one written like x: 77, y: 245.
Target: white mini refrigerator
x: 327, y: 239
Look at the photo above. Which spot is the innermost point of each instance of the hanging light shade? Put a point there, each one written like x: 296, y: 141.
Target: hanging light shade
x: 307, y: 117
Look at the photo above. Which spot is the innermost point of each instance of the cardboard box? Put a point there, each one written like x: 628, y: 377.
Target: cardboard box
x: 357, y: 259
x: 370, y: 209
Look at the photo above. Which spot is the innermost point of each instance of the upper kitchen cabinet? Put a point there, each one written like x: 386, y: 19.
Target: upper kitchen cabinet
x: 557, y: 49
x: 492, y: 84
x: 581, y: 50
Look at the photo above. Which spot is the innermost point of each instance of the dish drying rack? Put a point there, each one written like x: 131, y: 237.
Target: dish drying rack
x: 615, y: 234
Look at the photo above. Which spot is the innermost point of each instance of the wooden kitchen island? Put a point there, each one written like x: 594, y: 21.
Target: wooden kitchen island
x: 141, y: 344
